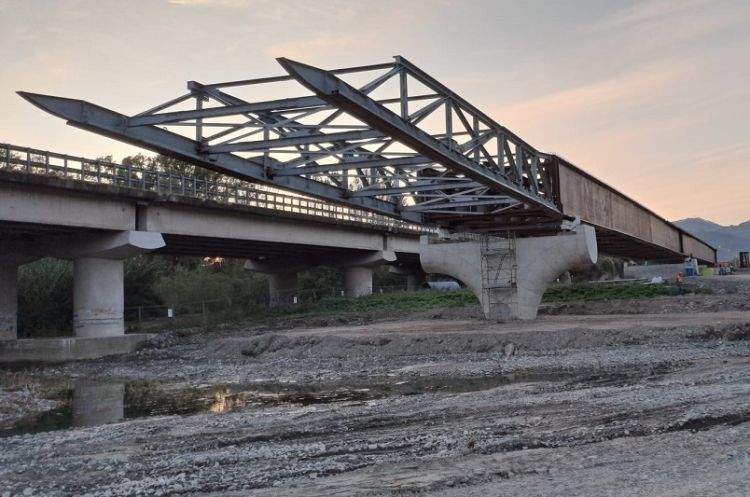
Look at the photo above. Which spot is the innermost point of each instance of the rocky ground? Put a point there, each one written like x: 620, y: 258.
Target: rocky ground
x: 605, y: 403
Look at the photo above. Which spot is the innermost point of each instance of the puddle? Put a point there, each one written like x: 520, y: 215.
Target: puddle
x: 89, y: 403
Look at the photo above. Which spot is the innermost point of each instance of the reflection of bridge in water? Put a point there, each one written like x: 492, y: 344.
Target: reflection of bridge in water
x: 372, y: 154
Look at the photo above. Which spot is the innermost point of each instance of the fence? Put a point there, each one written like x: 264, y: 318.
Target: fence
x: 208, y: 311
x: 228, y: 191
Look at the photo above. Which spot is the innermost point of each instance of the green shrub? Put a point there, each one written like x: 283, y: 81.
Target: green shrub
x: 141, y: 275
x: 591, y: 292
x: 45, y: 298
x: 215, y: 285
x: 396, y: 301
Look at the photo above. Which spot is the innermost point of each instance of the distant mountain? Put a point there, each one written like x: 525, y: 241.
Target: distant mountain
x: 729, y: 240
x: 697, y: 225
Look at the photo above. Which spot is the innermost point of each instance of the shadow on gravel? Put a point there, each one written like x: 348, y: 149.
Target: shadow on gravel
x: 708, y: 422
x: 728, y: 333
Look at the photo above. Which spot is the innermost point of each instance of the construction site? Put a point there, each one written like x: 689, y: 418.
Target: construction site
x: 633, y: 397
x: 340, y: 277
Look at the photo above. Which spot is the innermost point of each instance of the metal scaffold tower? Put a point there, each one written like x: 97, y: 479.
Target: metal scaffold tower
x: 499, y: 269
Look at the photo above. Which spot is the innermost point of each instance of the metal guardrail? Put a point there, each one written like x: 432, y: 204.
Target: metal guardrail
x: 228, y: 191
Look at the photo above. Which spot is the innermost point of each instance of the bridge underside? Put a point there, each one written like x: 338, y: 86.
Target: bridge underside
x: 626, y: 247
x: 306, y: 255
x: 609, y: 243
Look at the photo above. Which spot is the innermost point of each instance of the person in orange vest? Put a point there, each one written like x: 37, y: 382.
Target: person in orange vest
x: 678, y: 282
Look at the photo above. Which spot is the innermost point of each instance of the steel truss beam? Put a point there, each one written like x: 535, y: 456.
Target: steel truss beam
x: 401, y: 144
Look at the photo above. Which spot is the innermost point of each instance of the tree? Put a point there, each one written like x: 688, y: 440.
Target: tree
x: 170, y: 165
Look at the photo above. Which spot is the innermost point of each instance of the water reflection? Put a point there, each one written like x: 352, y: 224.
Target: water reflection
x: 224, y: 400
x: 89, y: 402
x: 97, y: 403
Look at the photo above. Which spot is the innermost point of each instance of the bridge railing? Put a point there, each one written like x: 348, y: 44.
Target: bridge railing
x: 228, y: 191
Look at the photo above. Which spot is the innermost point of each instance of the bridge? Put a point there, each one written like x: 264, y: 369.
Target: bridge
x: 389, y: 140
x: 71, y: 207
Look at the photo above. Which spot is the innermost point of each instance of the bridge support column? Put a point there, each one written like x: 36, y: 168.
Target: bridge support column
x: 98, y: 279
x: 415, y: 276
x: 415, y: 280
x: 358, y: 281
x: 510, y: 280
x: 98, y: 297
x: 282, y: 287
x: 283, y: 280
x: 8, y: 301
x: 358, y: 271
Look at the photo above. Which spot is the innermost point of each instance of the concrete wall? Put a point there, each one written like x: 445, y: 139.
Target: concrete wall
x: 666, y: 271
x: 67, y: 349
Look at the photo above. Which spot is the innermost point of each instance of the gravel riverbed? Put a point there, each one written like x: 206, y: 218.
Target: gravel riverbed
x: 568, y: 405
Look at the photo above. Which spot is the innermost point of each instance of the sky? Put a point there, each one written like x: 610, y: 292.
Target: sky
x: 652, y: 97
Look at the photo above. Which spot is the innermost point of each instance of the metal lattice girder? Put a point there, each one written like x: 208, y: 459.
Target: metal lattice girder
x: 400, y: 143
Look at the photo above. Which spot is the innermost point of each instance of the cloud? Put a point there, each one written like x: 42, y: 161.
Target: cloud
x: 319, y: 48
x: 214, y: 3
x: 631, y: 89
x: 647, y: 12
x: 654, y: 26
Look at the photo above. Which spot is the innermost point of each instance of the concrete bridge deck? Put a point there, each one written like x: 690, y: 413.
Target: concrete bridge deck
x: 43, y: 194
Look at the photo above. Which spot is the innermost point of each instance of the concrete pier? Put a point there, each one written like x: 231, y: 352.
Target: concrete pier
x: 283, y: 287
x: 415, y: 281
x: 513, y: 285
x: 358, y: 281
x: 415, y: 276
x: 282, y: 280
x: 98, y: 297
x: 358, y: 271
x: 8, y: 302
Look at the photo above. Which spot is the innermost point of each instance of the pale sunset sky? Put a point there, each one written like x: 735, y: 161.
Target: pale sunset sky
x: 652, y: 97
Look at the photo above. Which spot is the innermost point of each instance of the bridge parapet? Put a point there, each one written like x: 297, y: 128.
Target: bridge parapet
x: 231, y: 191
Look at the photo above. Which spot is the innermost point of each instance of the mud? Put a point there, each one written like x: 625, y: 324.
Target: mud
x: 572, y: 405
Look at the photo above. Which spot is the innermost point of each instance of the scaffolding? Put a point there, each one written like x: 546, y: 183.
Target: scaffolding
x: 499, y: 270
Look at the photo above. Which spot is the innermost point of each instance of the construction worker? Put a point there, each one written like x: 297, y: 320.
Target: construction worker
x: 678, y: 282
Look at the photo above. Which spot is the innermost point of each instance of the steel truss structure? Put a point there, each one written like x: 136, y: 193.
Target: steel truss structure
x: 396, y: 142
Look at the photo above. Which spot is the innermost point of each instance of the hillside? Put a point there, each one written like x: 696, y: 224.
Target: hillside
x: 729, y: 240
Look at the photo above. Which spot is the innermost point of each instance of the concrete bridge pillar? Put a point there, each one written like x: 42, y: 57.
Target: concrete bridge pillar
x: 98, y: 279
x: 415, y: 276
x: 98, y: 297
x: 358, y: 281
x: 283, y: 279
x: 509, y: 279
x: 358, y: 271
x: 8, y: 301
x: 98, y: 283
x: 415, y: 280
x: 283, y: 287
